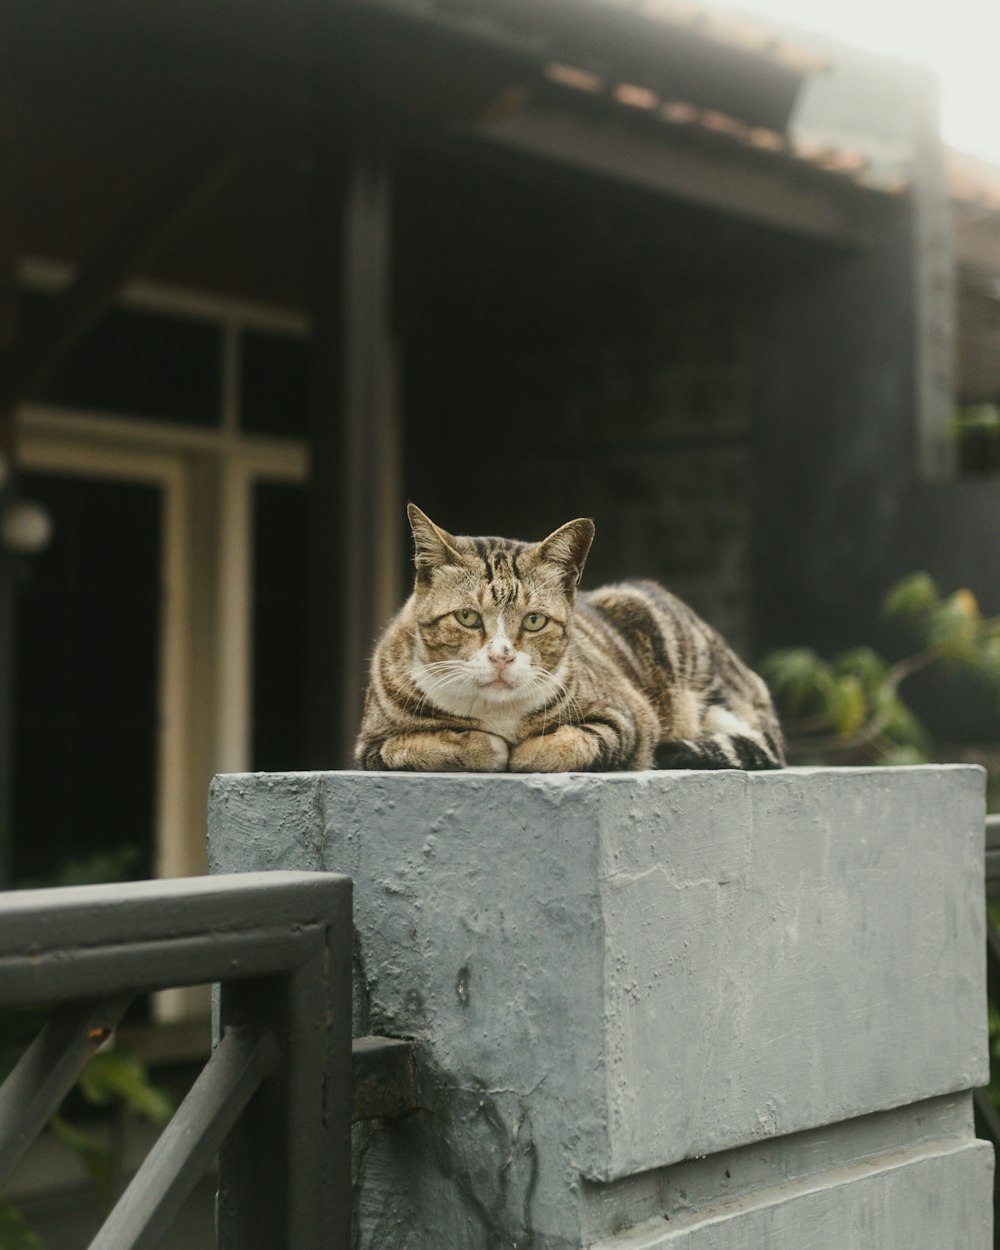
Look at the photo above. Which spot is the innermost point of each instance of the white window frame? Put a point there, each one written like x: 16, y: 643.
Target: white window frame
x: 82, y: 460
x: 207, y: 477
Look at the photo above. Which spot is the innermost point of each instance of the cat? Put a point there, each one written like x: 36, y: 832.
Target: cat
x: 496, y: 663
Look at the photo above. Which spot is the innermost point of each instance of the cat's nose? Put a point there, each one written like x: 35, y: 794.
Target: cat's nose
x: 502, y: 656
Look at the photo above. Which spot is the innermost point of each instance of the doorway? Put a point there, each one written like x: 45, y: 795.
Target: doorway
x: 102, y: 659
x: 85, y: 693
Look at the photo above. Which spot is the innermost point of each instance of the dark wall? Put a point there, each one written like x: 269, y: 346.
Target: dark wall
x: 951, y: 530
x: 841, y: 510
x: 571, y: 351
x: 834, y: 386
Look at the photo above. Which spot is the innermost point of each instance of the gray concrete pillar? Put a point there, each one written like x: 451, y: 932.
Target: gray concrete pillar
x: 709, y: 1011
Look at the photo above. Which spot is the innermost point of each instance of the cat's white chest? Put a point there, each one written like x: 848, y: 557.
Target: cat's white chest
x: 502, y: 717
x: 502, y: 722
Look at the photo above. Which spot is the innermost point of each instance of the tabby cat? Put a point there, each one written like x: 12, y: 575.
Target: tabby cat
x: 495, y: 664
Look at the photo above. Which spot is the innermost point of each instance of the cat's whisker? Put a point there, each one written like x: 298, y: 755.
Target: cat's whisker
x: 555, y: 697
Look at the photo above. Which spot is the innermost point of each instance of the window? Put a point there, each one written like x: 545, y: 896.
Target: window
x: 138, y: 673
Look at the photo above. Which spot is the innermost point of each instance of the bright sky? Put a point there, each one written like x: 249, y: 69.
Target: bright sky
x: 958, y: 39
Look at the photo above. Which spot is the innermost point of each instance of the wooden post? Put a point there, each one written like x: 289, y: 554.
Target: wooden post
x: 9, y: 148
x: 354, y: 454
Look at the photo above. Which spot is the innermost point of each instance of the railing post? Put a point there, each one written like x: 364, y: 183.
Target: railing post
x: 274, y: 1101
x: 285, y: 1171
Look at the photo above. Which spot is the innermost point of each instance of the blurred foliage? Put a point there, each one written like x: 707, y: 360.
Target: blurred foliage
x: 976, y: 418
x: 118, y: 864
x: 114, y: 1079
x: 118, y: 1077
x: 849, y: 708
x: 15, y: 1233
x: 976, y: 430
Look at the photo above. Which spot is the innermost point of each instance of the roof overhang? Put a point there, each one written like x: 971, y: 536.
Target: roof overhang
x: 669, y: 99
x: 974, y: 188
x: 678, y: 51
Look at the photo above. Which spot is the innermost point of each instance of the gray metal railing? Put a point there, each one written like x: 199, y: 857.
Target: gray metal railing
x: 992, y: 854
x: 987, y: 1117
x: 274, y: 1099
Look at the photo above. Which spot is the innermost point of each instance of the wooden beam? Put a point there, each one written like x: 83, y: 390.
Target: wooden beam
x: 781, y: 194
x: 9, y: 188
x: 10, y: 154
x: 165, y: 209
x: 752, y: 77
x: 353, y: 442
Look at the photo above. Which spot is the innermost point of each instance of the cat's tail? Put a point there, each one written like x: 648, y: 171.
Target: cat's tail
x: 721, y: 750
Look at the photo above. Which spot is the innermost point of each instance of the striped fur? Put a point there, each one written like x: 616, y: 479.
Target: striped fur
x: 496, y: 663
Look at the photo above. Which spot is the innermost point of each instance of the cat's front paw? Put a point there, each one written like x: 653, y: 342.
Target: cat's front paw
x: 491, y: 752
x: 446, y: 750
x: 566, y: 750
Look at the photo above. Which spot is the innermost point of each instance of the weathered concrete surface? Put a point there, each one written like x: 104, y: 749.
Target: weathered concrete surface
x: 610, y: 974
x: 934, y: 1200
x: 734, y: 1194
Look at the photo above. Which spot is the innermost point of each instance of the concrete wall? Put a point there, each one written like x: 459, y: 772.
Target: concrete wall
x: 659, y: 1010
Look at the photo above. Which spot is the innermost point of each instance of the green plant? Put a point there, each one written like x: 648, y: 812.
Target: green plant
x: 118, y: 864
x: 114, y: 1079
x: 15, y: 1232
x: 976, y: 430
x: 850, y: 707
x: 976, y: 418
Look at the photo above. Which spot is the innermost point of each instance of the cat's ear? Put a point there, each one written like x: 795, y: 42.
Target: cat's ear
x: 432, y: 546
x: 568, y: 548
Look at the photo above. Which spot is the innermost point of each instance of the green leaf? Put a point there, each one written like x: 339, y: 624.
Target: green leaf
x: 118, y: 1074
x: 865, y: 664
x: 797, y: 675
x: 847, y: 705
x: 953, y: 627
x: 895, y: 754
x: 15, y: 1232
x: 988, y: 661
x: 902, y: 726
x: 912, y: 597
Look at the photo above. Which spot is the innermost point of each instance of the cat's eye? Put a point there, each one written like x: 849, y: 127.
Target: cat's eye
x: 534, y: 621
x: 468, y: 617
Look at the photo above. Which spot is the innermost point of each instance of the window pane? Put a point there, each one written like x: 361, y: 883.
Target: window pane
x: 87, y: 642
x: 137, y: 364
x: 275, y: 380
